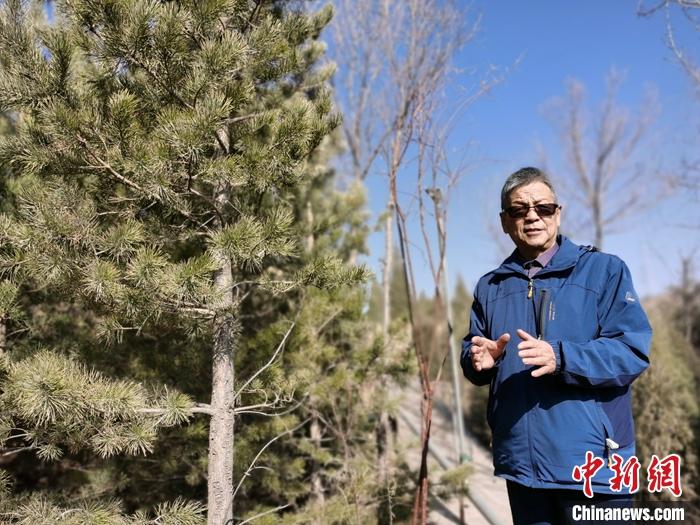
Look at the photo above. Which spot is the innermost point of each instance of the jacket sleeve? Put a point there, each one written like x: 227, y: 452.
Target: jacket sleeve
x: 477, y: 326
x: 620, y: 353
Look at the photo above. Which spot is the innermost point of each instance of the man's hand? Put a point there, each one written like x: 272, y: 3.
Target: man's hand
x: 536, y: 352
x: 484, y: 351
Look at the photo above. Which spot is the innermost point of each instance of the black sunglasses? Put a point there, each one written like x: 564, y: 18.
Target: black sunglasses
x: 543, y: 210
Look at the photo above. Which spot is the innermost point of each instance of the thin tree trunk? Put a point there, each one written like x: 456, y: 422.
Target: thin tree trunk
x: 316, y: 481
x: 3, y: 336
x: 686, y: 297
x: 310, y: 225
x: 383, y: 430
x: 420, y: 503
x: 221, y: 427
x: 315, y: 430
x: 598, y: 221
x: 388, y: 262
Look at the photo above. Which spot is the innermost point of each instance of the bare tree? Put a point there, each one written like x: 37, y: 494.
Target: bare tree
x: 690, y: 14
x: 395, y: 57
x: 603, y: 182
x: 437, y: 177
x: 359, y: 28
x: 691, y: 11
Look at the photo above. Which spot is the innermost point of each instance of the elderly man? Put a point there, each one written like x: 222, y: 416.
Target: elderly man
x: 558, y: 334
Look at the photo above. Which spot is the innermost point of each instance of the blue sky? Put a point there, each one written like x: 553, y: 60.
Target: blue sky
x: 541, y: 44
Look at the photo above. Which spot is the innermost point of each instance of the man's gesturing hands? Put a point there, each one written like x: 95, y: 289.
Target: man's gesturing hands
x: 485, y: 351
x: 533, y: 352
x: 536, y: 352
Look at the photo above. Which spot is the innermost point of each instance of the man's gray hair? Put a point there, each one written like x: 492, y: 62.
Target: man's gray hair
x: 520, y: 178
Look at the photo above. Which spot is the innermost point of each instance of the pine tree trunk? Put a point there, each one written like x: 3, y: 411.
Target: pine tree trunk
x: 3, y: 336
x: 221, y: 427
x: 315, y: 430
x: 316, y: 481
x: 310, y: 225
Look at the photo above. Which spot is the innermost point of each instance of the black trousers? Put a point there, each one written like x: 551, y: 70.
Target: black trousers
x: 558, y: 506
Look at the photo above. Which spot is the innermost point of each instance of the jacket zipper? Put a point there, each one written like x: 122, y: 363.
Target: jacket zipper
x: 540, y: 318
x: 530, y: 294
x: 542, y: 314
x: 546, y: 311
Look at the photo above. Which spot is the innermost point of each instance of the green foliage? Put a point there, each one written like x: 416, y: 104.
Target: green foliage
x: 67, y: 405
x: 180, y: 512
x: 40, y: 510
x: 665, y: 400
x: 250, y: 240
x: 5, y: 484
x: 454, y: 481
x: 8, y: 300
x: 153, y: 147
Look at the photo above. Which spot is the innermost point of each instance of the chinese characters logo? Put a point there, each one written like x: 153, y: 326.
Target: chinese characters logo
x: 662, y: 474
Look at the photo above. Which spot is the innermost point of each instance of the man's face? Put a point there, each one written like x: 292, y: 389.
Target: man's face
x: 532, y: 234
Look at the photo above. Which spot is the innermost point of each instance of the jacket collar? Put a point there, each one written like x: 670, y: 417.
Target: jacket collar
x: 566, y: 257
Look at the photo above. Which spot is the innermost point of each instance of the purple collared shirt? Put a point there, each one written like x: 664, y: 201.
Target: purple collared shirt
x: 535, y: 265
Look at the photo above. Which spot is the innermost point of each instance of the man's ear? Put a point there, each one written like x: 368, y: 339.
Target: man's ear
x: 503, y: 222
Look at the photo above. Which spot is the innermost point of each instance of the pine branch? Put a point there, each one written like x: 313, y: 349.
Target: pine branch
x: 200, y: 408
x: 104, y: 165
x: 125, y: 180
x: 244, y: 118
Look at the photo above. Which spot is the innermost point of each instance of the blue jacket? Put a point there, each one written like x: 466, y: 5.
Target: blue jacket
x: 584, y: 304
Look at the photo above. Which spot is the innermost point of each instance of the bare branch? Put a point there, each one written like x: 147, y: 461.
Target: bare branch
x: 16, y: 450
x: 260, y: 515
x: 257, y: 456
x: 690, y: 67
x: 289, y: 410
x: 267, y: 365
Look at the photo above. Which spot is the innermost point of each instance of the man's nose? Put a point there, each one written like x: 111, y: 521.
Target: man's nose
x: 531, y: 214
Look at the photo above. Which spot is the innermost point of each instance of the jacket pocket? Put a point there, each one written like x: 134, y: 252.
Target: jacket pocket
x: 604, y: 421
x: 610, y: 444
x: 493, y: 391
x: 562, y: 433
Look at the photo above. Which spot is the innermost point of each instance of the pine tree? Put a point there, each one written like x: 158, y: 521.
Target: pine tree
x: 332, y: 362
x: 158, y: 150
